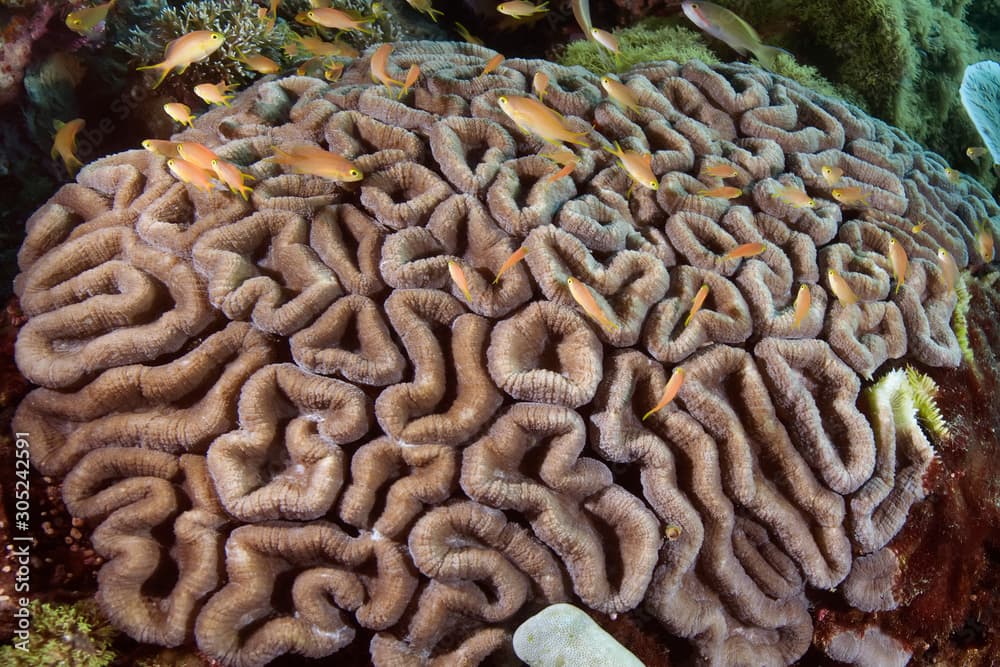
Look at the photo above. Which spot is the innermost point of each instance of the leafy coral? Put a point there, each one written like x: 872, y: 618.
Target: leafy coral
x: 959, y: 322
x: 70, y: 635
x: 923, y: 391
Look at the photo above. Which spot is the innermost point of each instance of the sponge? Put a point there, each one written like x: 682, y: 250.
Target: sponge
x: 562, y: 636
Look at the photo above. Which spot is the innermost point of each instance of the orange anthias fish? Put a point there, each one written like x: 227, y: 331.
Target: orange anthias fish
x: 458, y: 277
x: 186, y: 49
x: 637, y: 165
x: 259, y: 63
x: 620, y: 93
x: 464, y: 33
x: 179, y: 112
x: 540, y: 83
x: 161, y: 147
x: 984, y: 241
x: 492, y: 64
x: 720, y: 171
x: 197, y: 154
x: 215, y: 93
x: 328, y: 17
x: 722, y: 192
x: 531, y: 116
x: 606, y: 39
x: 746, y: 250
x: 64, y: 143
x: 411, y: 78
x: 723, y: 24
x: 803, y: 300
x: 424, y: 7
x: 379, y: 62
x: 519, y: 9
x: 841, y: 289
x: 84, y: 20
x: 231, y: 175
x: 514, y: 258
x: 851, y: 195
x: 919, y: 227
x: 190, y: 173
x: 669, y: 392
x: 318, y: 162
x: 794, y: 196
x: 583, y: 296
x: 899, y: 261
x: 948, y: 268
x: 699, y: 301
x: 831, y: 175
x: 565, y: 157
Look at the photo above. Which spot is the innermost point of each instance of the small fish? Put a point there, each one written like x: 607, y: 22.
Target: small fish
x: 329, y: 17
x: 161, y: 147
x: 803, y: 300
x: 379, y: 62
x: 299, y: 44
x: 916, y: 229
x: 333, y: 71
x: 948, y: 268
x: 532, y: 116
x: 851, y: 195
x: 231, y: 175
x: 954, y: 175
x: 745, y: 251
x: 312, y: 67
x: 190, y: 173
x: 84, y: 20
x: 976, y: 152
x: 566, y: 170
x: 197, y: 154
x: 492, y: 64
x: 637, y: 165
x: 899, y: 261
x: 699, y: 301
x: 186, y: 49
x: 259, y: 63
x: 620, y: 93
x: 519, y: 9
x: 583, y: 296
x: 179, y: 112
x: 984, y: 242
x: 722, y: 192
x: 831, y: 175
x: 458, y: 277
x: 722, y: 24
x: 720, y: 171
x: 215, y: 93
x: 514, y: 258
x: 606, y: 39
x: 794, y: 196
x: 464, y: 33
x: 673, y: 532
x: 669, y: 392
x: 318, y: 162
x: 841, y: 289
x: 565, y: 157
x: 379, y: 11
x: 411, y: 78
x: 424, y: 7
x: 540, y: 83
x: 64, y: 143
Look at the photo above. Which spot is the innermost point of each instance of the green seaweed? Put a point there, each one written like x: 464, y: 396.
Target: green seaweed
x: 959, y: 321
x: 69, y: 635
x: 923, y: 391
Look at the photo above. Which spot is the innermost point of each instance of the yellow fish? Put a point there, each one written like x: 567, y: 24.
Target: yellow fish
x: 64, y: 143
x: 329, y: 17
x: 318, y: 162
x: 519, y: 9
x: 179, y: 112
x: 620, y: 93
x: 899, y: 261
x: 464, y: 33
x: 803, y: 300
x: 424, y: 7
x: 916, y: 229
x: 669, y: 392
x: 722, y: 24
x: 954, y: 175
x: 533, y: 116
x: 984, y: 241
x: 231, y: 175
x: 841, y: 289
x: 745, y: 251
x: 831, y: 174
x: 215, y: 93
x: 161, y: 147
x: 699, y: 301
x: 722, y: 192
x: 187, y: 49
x: 411, y: 78
x: 84, y: 20
x: 583, y: 296
x: 190, y: 173
x: 948, y: 268
x: 333, y: 71
x: 851, y: 195
x: 976, y: 152
x: 794, y: 196
x: 637, y: 165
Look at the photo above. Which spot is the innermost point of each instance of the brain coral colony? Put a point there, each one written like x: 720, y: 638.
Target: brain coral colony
x: 390, y: 351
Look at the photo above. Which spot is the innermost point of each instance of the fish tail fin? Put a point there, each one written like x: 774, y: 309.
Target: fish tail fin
x: 163, y: 75
x: 768, y: 55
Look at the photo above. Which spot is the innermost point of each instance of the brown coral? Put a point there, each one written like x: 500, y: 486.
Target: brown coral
x: 382, y: 448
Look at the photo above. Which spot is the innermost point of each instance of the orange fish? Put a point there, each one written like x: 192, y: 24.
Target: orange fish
x: 259, y: 63
x: 803, y: 300
x: 540, y: 83
x: 411, y: 78
x: 161, y: 147
x: 851, y: 195
x: 458, y: 277
x: 215, y: 93
x: 637, y: 165
x: 720, y: 171
x: 424, y: 7
x: 916, y: 229
x: 831, y: 174
x: 669, y: 392
x: 492, y: 64
x: 841, y: 289
x: 231, y: 175
x: 379, y: 62
x: 948, y: 268
x: 746, y: 250
x: 699, y: 301
x: 464, y: 33
x: 794, y: 196
x: 605, y: 39
x: 583, y: 296
x: 532, y: 116
x: 620, y: 93
x: 64, y: 143
x: 190, y: 173
x: 722, y: 192
x: 984, y: 240
x: 514, y: 258
x: 899, y: 261
x: 186, y: 49
x: 328, y: 17
x: 519, y: 9
x: 197, y: 154
x: 318, y: 162
x: 567, y: 158
x: 179, y: 112
x: 566, y: 170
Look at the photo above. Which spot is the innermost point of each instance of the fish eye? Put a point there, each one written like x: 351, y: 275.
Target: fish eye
x: 215, y: 162
x: 502, y: 100
x: 355, y: 172
x: 653, y: 184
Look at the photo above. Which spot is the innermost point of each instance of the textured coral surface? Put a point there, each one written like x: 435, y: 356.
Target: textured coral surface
x: 291, y: 432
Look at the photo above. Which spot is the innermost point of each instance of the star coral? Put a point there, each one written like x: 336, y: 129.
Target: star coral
x: 292, y: 433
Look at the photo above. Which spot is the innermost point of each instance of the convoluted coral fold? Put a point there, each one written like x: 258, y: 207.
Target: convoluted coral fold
x: 346, y: 445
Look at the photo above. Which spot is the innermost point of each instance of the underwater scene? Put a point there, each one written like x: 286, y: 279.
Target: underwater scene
x: 472, y: 332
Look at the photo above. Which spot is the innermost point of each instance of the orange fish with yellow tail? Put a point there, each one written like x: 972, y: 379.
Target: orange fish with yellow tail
x: 620, y: 93
x: 669, y: 392
x: 186, y: 49
x: 899, y: 262
x: 379, y: 64
x: 492, y: 64
x: 318, y: 162
x: 745, y: 251
x: 231, y: 175
x: 984, y: 242
x: 699, y: 301
x: 64, y: 143
x: 585, y: 298
x: 458, y: 277
x: 841, y: 289
x: 721, y: 192
x: 187, y: 172
x: 803, y: 301
x: 531, y: 116
x: 948, y: 268
x: 514, y: 258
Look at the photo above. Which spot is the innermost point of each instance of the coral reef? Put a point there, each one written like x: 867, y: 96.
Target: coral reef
x: 64, y: 634
x: 346, y: 449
